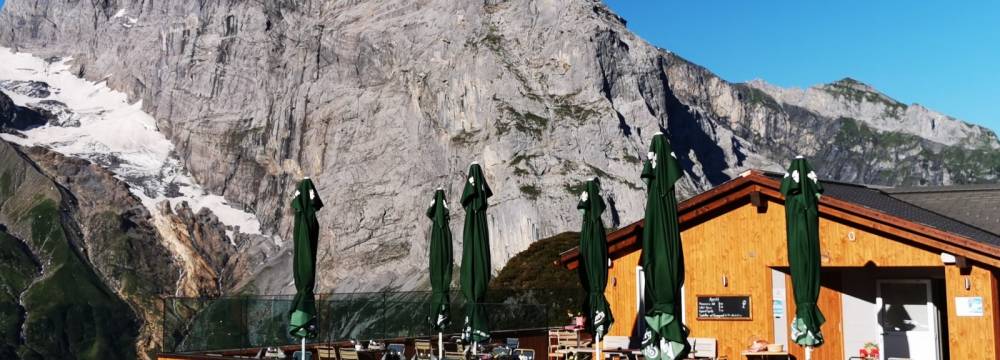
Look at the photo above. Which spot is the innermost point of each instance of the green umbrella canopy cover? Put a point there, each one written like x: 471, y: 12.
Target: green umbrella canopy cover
x: 593, y: 268
x: 476, y: 268
x: 302, y: 316
x: 802, y: 192
x: 662, y: 256
x: 441, y: 262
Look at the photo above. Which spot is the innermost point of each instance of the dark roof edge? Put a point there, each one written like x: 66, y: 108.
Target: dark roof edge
x: 963, y: 222
x: 891, y: 191
x: 943, y: 189
x: 779, y: 175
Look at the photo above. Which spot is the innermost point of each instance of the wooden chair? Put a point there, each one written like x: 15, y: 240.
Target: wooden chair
x: 560, y: 339
x: 513, y: 343
x: 422, y: 349
x: 347, y: 353
x: 326, y: 352
x: 524, y: 354
x: 613, y: 342
x: 703, y: 348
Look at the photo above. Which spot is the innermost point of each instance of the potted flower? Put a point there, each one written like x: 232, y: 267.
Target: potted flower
x: 869, y: 351
x: 577, y: 319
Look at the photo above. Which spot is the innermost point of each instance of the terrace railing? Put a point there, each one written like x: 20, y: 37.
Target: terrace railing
x: 195, y: 324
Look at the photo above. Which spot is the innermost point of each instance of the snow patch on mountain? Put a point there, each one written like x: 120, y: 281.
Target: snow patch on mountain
x: 109, y: 131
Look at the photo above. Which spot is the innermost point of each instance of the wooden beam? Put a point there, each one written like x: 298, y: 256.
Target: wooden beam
x: 758, y: 201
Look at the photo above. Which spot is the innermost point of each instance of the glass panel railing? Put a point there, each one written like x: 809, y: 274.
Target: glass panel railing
x: 192, y: 324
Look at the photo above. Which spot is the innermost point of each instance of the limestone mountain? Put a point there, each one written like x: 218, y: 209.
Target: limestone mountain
x: 227, y: 104
x: 876, y: 139
x: 383, y: 102
x: 85, y: 263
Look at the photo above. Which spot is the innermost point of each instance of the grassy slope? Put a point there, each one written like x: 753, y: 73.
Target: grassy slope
x: 17, y: 269
x: 532, y: 277
x: 535, y: 268
x: 910, y: 154
x: 70, y: 312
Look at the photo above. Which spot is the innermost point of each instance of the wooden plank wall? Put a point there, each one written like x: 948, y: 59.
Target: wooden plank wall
x: 832, y: 308
x: 621, y: 294
x: 743, y: 245
x: 969, y: 337
x: 731, y: 246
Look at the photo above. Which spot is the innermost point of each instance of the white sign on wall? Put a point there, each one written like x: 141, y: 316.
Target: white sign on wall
x: 778, y: 303
x: 969, y: 305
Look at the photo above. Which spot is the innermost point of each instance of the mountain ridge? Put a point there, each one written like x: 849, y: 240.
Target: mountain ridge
x: 380, y: 103
x: 601, y: 78
x: 862, y: 101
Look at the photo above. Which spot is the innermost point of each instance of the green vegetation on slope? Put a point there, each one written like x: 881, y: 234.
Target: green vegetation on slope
x: 848, y: 88
x: 909, y: 159
x: 531, y: 191
x: 535, y: 268
x: 525, y: 122
x: 62, y: 309
x: 757, y: 97
x: 17, y: 269
x: 5, y: 185
x: 70, y: 311
x: 532, y: 277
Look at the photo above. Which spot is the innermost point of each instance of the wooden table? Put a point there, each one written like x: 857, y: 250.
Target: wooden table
x: 590, y: 350
x: 765, y: 354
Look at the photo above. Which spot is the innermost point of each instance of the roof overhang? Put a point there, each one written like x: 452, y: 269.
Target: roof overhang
x: 754, y: 186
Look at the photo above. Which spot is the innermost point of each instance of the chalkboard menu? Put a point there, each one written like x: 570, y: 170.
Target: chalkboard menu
x: 724, y: 307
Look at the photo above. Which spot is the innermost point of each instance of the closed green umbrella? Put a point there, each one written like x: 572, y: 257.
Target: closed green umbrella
x: 302, y: 316
x: 440, y: 265
x: 662, y: 256
x: 476, y: 268
x: 593, y: 268
x: 802, y: 192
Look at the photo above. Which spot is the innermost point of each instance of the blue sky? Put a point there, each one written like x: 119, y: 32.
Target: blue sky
x: 944, y: 55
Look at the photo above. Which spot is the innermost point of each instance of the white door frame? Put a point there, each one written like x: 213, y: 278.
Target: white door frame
x: 640, y: 292
x: 932, y: 312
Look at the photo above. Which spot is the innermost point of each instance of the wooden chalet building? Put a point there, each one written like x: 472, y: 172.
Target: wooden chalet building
x: 913, y: 270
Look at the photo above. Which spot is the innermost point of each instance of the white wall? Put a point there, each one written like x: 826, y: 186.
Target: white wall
x: 779, y: 292
x: 860, y: 314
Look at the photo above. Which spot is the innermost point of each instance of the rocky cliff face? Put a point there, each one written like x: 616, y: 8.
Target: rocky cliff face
x: 13, y: 117
x: 58, y: 294
x: 849, y: 98
x: 383, y: 102
x: 85, y: 263
x: 872, y: 138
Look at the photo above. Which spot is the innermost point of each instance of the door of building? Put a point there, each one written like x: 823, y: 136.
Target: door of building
x: 909, y: 320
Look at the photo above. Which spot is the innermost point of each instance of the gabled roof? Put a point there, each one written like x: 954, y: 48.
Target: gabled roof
x: 863, y: 206
x: 889, y: 201
x: 975, y: 205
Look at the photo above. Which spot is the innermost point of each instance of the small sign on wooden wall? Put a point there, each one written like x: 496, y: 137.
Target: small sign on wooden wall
x: 969, y: 306
x: 724, y: 307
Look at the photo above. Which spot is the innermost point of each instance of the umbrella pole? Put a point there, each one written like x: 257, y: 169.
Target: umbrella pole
x: 440, y: 346
x: 303, y: 348
x: 597, y: 347
x: 809, y: 350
